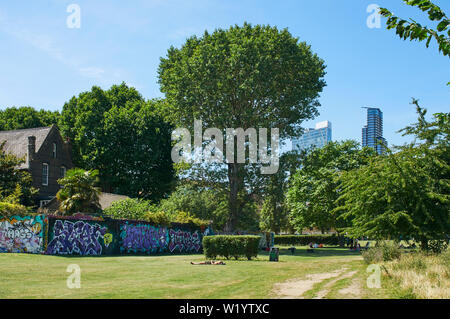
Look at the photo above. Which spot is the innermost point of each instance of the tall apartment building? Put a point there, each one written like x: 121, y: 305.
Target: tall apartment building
x: 318, y: 137
x: 372, y: 133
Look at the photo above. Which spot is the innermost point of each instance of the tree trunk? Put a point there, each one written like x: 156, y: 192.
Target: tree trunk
x: 235, y: 179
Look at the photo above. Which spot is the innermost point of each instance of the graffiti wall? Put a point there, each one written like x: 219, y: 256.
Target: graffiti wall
x: 79, y: 237
x: 94, y: 236
x: 149, y: 239
x: 143, y: 238
x: 22, y: 234
x: 184, y: 241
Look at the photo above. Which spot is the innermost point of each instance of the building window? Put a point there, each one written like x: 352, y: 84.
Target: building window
x: 45, y: 174
x: 54, y: 150
x: 62, y: 172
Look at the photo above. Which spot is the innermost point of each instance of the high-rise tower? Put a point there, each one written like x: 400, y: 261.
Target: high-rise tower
x: 372, y: 133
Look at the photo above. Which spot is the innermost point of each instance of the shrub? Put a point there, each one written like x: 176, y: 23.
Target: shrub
x: 186, y: 218
x: 437, y: 246
x: 157, y: 218
x: 130, y: 209
x: 10, y: 209
x: 382, y: 252
x: 231, y: 246
x: 302, y: 240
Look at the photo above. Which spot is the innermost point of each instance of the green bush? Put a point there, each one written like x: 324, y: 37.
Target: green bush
x: 10, y: 209
x: 231, y: 246
x: 130, y: 209
x: 187, y: 218
x: 437, y: 246
x: 302, y: 240
x: 382, y: 252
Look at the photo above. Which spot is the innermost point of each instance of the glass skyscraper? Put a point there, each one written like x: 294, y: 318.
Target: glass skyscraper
x: 372, y: 133
x: 318, y: 137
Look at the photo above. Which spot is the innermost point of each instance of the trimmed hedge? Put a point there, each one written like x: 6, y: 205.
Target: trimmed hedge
x: 302, y: 240
x: 231, y: 246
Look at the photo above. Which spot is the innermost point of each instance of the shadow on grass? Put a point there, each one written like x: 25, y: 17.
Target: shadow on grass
x: 318, y: 252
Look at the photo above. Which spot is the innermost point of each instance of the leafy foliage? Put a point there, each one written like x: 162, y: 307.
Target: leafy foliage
x: 14, y: 118
x: 405, y: 193
x: 15, y: 182
x: 382, y: 252
x: 316, y: 185
x: 243, y: 77
x: 231, y: 246
x: 198, y: 202
x: 274, y: 215
x: 121, y: 135
x: 79, y: 194
x: 186, y: 218
x: 11, y: 209
x: 415, y: 31
x: 139, y: 209
x: 130, y: 208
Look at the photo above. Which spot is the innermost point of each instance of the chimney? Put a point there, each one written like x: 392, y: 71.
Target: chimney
x: 31, y: 148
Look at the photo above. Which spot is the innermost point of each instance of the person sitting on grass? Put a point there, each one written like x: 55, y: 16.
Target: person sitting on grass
x: 208, y: 262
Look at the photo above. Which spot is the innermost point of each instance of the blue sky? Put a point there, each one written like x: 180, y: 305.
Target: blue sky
x: 43, y: 63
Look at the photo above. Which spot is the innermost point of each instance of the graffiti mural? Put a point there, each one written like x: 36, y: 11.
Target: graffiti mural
x: 21, y: 234
x: 143, y: 238
x: 78, y: 238
x: 184, y: 241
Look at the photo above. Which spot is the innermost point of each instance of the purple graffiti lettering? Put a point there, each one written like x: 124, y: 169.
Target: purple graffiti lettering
x: 184, y: 241
x: 79, y: 238
x: 143, y: 238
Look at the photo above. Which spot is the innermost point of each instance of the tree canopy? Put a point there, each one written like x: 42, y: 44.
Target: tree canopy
x: 406, y: 193
x: 316, y: 185
x: 14, y: 118
x: 244, y: 77
x: 124, y: 137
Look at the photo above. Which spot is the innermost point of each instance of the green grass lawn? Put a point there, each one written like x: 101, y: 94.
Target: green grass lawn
x: 40, y: 276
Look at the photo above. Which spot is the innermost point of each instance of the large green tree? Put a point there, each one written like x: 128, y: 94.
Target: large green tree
x: 315, y: 186
x: 244, y: 77
x: 124, y: 137
x: 15, y: 118
x: 406, y: 193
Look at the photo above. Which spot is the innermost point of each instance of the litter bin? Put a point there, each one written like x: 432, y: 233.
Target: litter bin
x: 274, y: 253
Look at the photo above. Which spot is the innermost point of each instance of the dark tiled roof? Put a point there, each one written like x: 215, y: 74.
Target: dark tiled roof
x: 17, y: 141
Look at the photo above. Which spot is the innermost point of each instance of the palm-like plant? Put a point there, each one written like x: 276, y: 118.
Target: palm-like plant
x: 79, y: 193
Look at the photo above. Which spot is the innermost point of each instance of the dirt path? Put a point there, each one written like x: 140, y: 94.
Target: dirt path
x: 352, y: 291
x: 297, y: 287
x: 294, y: 289
x: 326, y: 289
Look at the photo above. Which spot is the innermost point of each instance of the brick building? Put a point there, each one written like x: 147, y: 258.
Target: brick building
x: 47, y: 157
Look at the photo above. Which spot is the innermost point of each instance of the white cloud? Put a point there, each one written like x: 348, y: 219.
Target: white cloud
x: 92, y: 72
